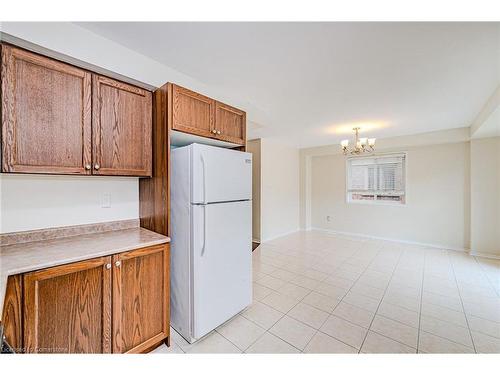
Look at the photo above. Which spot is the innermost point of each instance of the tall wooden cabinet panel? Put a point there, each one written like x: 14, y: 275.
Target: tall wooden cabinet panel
x: 192, y: 112
x: 154, y: 193
x: 140, y: 299
x: 67, y: 309
x: 46, y: 115
x: 230, y: 123
x: 121, y: 128
x: 12, y: 315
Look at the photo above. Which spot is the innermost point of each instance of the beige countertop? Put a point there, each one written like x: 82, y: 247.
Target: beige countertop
x: 36, y: 255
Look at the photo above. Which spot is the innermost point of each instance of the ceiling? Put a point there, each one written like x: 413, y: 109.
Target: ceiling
x: 490, y: 127
x: 310, y: 83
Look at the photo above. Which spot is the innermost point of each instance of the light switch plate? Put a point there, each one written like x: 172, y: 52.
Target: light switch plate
x: 106, y: 200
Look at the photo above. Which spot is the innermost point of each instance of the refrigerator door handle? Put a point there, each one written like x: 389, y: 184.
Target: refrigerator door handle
x: 204, y: 204
x: 204, y: 179
x: 205, y: 222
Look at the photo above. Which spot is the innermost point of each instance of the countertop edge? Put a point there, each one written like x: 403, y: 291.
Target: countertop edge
x: 39, y: 266
x: 99, y: 254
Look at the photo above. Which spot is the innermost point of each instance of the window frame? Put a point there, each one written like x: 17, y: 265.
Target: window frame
x: 378, y: 202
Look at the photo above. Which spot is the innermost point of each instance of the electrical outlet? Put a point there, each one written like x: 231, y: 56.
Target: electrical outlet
x: 328, y: 218
x: 106, y: 200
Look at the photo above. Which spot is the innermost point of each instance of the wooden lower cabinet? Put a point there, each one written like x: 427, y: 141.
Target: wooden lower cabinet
x: 140, y: 299
x: 12, y: 315
x: 67, y: 309
x: 112, y: 304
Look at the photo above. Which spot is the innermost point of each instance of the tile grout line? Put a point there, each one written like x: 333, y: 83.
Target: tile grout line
x: 329, y: 314
x: 267, y: 330
x: 355, y: 281
x: 497, y: 292
x: 339, y: 301
x: 286, y: 314
x: 438, y: 318
x: 286, y: 342
x: 421, y: 301
x: 380, y: 302
x: 380, y: 252
x: 366, y: 268
x: 253, y: 342
x: 461, y: 301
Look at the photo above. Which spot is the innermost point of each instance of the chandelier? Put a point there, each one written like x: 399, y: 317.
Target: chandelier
x: 361, y: 145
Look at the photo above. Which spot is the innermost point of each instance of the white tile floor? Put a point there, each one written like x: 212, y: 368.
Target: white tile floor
x: 319, y: 293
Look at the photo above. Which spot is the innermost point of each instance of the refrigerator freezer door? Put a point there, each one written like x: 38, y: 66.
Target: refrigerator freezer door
x: 220, y: 175
x: 222, y: 263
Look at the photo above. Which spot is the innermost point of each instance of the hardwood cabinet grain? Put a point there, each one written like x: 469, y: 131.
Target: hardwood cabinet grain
x: 154, y: 193
x: 192, y: 112
x: 200, y: 115
x: 182, y: 110
x: 12, y: 316
x: 111, y: 304
x: 121, y: 128
x: 67, y: 309
x: 140, y: 299
x: 60, y: 119
x: 230, y: 123
x: 46, y: 115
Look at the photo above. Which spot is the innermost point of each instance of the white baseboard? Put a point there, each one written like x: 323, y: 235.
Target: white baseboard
x: 443, y: 247
x: 484, y: 255
x: 279, y: 235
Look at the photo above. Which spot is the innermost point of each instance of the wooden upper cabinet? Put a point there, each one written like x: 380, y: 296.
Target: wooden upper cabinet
x: 200, y: 115
x: 141, y: 298
x: 122, y: 128
x: 230, y: 123
x: 67, y: 309
x: 192, y: 112
x: 59, y: 119
x: 46, y: 115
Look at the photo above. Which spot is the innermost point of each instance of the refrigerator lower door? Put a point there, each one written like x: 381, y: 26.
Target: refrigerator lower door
x: 222, y: 263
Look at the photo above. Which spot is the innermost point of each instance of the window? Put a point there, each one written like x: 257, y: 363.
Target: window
x: 378, y: 179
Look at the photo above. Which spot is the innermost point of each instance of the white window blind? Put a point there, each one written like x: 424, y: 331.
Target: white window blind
x: 379, y: 178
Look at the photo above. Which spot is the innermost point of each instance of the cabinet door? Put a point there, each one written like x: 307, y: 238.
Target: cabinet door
x: 140, y: 299
x: 121, y: 128
x: 67, y: 308
x: 192, y: 112
x: 46, y: 115
x: 230, y: 123
x: 12, y: 312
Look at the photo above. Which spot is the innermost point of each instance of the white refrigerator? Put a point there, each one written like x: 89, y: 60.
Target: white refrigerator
x: 211, y: 255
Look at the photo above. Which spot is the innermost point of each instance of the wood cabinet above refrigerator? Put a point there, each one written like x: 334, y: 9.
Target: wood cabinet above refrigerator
x: 199, y: 115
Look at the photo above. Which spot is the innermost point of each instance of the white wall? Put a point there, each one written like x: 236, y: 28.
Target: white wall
x: 253, y: 147
x: 485, y: 196
x: 35, y: 201
x: 280, y: 189
x: 438, y: 192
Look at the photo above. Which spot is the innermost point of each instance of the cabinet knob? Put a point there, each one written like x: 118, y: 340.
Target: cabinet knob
x: 218, y: 131
x: 214, y: 131
x: 118, y: 263
x: 96, y: 167
x: 87, y: 167
x: 108, y: 266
